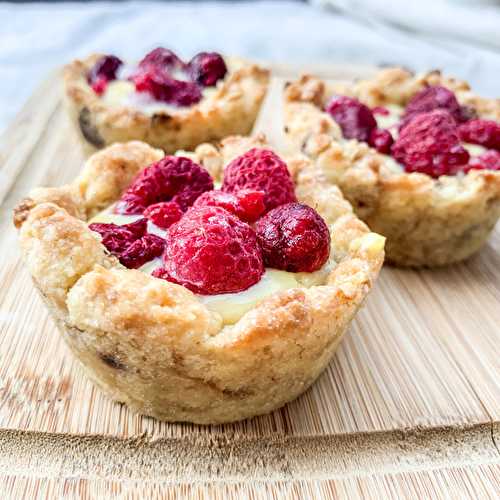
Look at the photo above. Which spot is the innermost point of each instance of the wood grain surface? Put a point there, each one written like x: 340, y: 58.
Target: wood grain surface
x: 409, y: 407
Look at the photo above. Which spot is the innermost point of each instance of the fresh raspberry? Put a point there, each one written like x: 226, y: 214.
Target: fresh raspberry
x: 432, y: 98
x: 118, y: 238
x: 206, y: 68
x: 163, y: 58
x: 142, y: 250
x: 354, y: 118
x: 164, y: 214
x: 251, y: 204
x: 483, y: 132
x: 381, y: 140
x: 429, y: 144
x: 160, y: 85
x: 105, y: 67
x: 261, y: 170
x: 246, y: 204
x: 294, y: 238
x: 130, y: 242
x: 173, y: 178
x: 160, y: 272
x: 210, y: 251
x: 99, y: 85
x: 490, y: 160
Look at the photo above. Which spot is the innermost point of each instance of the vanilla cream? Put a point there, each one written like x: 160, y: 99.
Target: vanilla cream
x: 391, y: 120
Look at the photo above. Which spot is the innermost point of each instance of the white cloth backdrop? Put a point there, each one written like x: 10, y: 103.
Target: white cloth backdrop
x: 461, y: 37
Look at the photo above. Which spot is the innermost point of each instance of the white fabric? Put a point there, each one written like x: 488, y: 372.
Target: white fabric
x: 37, y: 37
x: 475, y: 21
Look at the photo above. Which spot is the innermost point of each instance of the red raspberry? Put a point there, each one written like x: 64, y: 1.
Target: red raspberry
x: 294, y: 238
x: 142, y: 250
x: 210, y: 251
x: 105, y: 67
x: 251, y: 204
x: 483, y: 132
x: 432, y: 98
x: 118, y: 238
x: 160, y: 85
x: 99, y: 85
x: 173, y: 178
x: 246, y: 204
x: 261, y: 170
x: 381, y: 140
x: 164, y: 214
x: 490, y: 160
x: 130, y: 242
x: 354, y: 118
x: 206, y: 68
x: 429, y: 144
x: 164, y: 58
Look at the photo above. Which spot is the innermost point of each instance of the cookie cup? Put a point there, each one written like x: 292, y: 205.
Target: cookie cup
x: 155, y: 345
x: 230, y: 108
x: 427, y: 222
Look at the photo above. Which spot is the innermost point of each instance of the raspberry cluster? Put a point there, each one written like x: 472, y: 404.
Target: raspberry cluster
x: 431, y: 132
x: 164, y: 76
x: 209, y: 244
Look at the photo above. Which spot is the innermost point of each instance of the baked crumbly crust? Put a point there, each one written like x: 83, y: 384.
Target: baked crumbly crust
x: 230, y: 109
x: 427, y: 222
x: 153, y: 344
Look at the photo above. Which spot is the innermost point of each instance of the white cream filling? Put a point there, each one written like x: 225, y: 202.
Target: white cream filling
x: 391, y: 120
x: 108, y: 217
x: 117, y: 92
x: 474, y: 149
x: 231, y: 306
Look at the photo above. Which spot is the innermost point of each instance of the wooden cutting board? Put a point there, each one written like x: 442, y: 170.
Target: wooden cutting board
x: 409, y: 406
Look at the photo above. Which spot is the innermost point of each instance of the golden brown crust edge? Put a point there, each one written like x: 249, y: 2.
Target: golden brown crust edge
x: 427, y: 222
x: 231, y: 110
x: 153, y: 345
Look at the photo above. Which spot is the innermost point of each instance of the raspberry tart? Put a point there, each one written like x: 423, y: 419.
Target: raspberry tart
x: 169, y: 103
x: 192, y: 287
x: 417, y: 156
